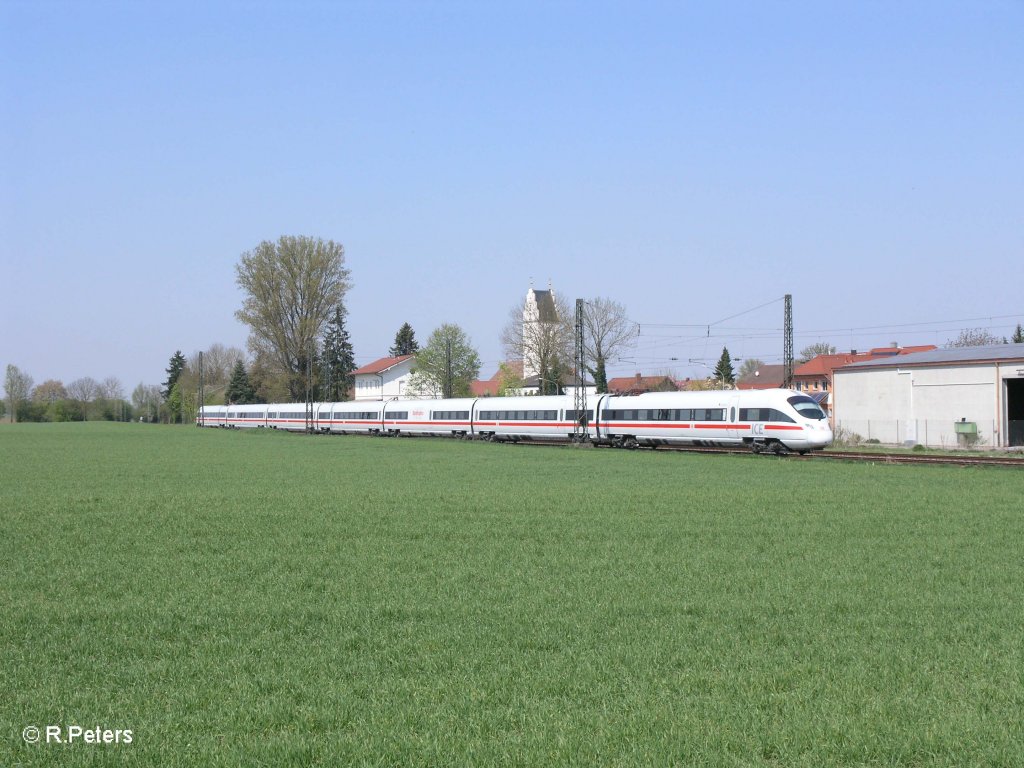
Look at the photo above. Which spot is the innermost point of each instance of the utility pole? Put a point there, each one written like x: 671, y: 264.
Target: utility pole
x: 787, y: 344
x: 580, y: 425
x: 202, y: 393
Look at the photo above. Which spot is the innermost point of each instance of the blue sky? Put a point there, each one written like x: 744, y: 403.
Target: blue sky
x: 692, y: 161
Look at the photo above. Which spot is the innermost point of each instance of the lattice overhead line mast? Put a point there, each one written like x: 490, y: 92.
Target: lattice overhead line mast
x: 787, y: 344
x: 580, y: 424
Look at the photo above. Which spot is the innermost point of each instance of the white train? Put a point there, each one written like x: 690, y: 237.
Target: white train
x: 764, y: 419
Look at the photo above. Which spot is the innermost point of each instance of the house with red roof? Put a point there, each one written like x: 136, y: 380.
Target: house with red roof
x: 765, y: 377
x: 384, y: 379
x: 638, y: 384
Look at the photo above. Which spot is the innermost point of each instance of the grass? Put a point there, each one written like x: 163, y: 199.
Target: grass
x: 271, y: 599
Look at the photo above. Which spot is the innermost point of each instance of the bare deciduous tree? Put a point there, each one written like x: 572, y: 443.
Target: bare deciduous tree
x: 84, y: 390
x: 111, y: 389
x: 812, y: 351
x: 218, y: 363
x: 974, y: 337
x: 146, y: 398
x: 607, y: 331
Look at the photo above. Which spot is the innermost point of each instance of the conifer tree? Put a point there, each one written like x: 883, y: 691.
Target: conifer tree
x: 405, y: 342
x: 338, y: 359
x: 723, y: 371
x: 240, y: 390
x: 174, y: 371
x: 1018, y: 335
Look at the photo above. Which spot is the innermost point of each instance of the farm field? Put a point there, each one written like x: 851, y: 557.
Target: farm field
x: 258, y: 598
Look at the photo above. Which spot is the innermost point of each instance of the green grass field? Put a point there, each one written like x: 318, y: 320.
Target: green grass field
x: 270, y: 599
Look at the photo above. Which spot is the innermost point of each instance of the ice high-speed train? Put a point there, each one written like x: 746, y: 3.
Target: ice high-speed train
x: 765, y: 419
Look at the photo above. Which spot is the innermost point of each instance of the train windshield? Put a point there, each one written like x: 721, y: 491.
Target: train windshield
x: 806, y: 407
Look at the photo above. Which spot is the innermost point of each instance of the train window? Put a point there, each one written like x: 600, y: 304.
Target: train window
x: 806, y: 407
x: 709, y: 414
x: 398, y: 415
x: 732, y: 414
x: 570, y: 415
x: 449, y: 415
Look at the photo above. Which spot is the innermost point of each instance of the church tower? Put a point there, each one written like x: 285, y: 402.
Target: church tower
x: 538, y: 310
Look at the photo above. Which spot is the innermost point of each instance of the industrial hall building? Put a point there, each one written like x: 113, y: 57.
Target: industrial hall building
x: 943, y: 398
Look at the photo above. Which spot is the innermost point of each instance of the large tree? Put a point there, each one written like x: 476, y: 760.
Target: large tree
x: 290, y: 288
x: 446, y: 365
x: 1018, y: 335
x: 405, y: 342
x: 17, y: 385
x: 607, y: 330
x: 723, y: 370
x: 338, y: 359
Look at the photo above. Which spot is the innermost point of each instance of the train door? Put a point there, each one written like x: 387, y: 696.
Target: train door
x: 732, y: 415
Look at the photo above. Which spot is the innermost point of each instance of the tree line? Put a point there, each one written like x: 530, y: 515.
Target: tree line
x: 51, y: 400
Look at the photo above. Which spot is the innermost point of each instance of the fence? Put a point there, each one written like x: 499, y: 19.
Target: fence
x: 928, y: 432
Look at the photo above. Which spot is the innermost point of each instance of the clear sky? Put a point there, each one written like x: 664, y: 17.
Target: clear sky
x: 690, y: 160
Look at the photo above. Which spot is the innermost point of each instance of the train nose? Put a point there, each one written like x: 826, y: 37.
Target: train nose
x: 824, y: 436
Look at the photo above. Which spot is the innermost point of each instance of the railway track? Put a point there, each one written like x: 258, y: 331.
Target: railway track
x: 875, y: 458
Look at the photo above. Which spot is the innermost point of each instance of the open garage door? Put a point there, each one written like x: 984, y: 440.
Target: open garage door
x: 1015, y: 411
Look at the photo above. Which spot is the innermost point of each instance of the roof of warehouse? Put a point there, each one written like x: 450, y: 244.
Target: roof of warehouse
x: 994, y: 353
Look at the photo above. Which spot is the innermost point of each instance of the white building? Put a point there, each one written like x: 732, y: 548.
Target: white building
x: 383, y: 379
x: 941, y: 398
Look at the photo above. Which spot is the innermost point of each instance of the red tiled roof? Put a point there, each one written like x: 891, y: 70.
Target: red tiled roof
x: 823, y: 365
x: 381, y: 365
x: 637, y: 383
x: 768, y: 377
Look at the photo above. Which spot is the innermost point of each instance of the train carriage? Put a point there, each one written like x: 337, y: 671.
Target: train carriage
x: 524, y: 418
x: 429, y: 417
x: 352, y: 418
x: 246, y: 416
